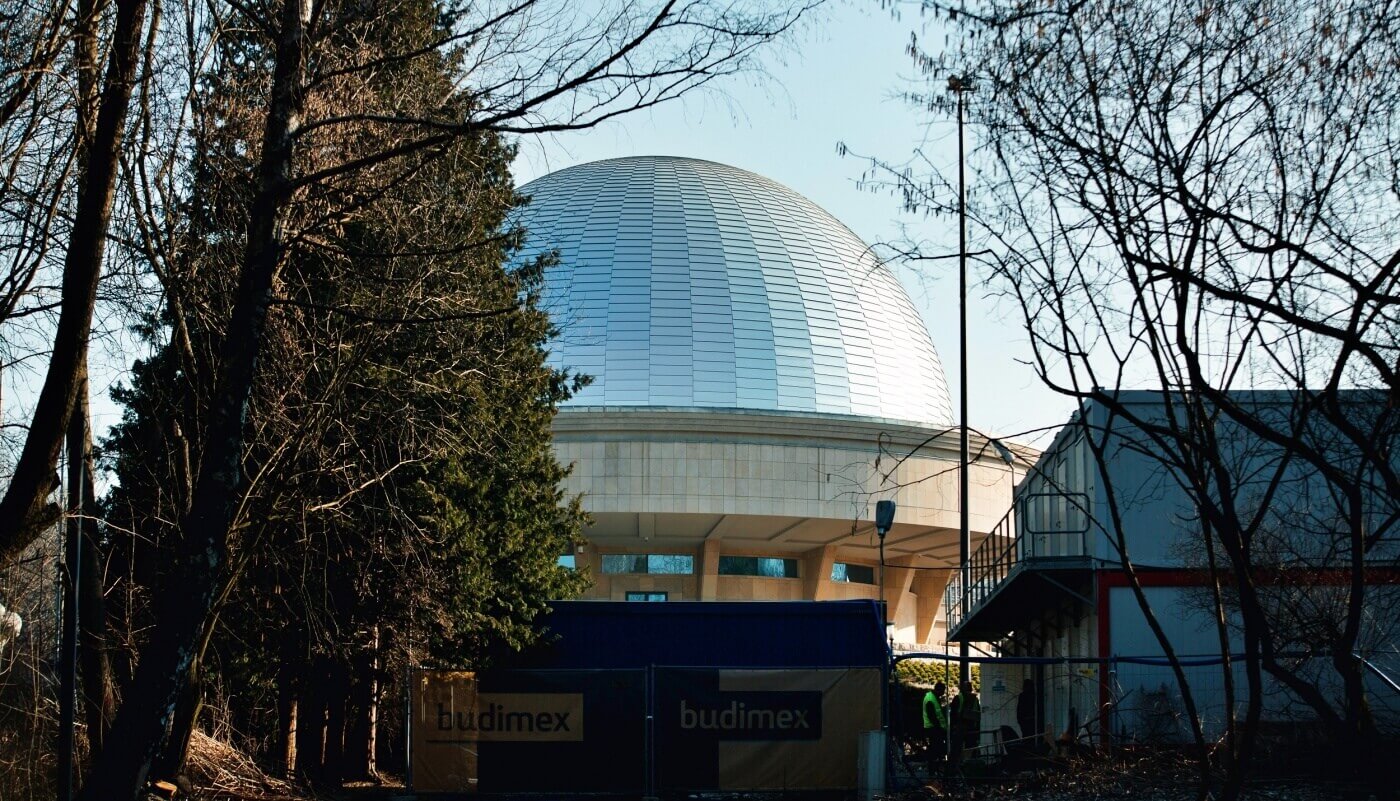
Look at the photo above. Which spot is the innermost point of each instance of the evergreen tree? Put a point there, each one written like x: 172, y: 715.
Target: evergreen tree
x: 403, y: 501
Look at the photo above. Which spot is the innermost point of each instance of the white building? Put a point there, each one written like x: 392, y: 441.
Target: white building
x: 1049, y: 585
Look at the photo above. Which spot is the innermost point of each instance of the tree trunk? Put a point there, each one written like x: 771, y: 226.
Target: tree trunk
x: 1348, y: 663
x: 171, y: 761
x: 338, y: 691
x: 1239, y: 737
x: 285, y: 757
x: 371, y: 713
x: 363, y: 713
x: 182, y: 612
x: 98, y: 683
x: 25, y: 510
x: 97, y: 690
x: 372, y: 727
x: 67, y: 663
x: 357, y: 762
x: 311, y: 725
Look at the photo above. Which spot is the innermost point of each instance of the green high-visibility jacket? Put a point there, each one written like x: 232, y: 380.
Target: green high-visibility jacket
x: 938, y: 715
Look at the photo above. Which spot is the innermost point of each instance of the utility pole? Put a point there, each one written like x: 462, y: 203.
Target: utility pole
x: 72, y: 529
x: 959, y: 86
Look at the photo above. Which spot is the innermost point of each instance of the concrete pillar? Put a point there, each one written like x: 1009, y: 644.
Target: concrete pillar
x: 929, y: 585
x: 816, y: 573
x: 708, y: 571
x: 899, y: 576
x: 587, y: 560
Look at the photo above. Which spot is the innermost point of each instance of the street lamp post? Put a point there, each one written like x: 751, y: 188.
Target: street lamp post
x: 884, y: 519
x: 960, y: 86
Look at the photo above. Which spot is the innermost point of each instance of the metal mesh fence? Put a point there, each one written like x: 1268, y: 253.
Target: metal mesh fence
x: 1139, y: 700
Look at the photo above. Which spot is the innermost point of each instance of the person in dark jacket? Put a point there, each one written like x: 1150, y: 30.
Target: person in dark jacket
x: 966, y: 720
x: 1027, y: 707
x: 936, y: 726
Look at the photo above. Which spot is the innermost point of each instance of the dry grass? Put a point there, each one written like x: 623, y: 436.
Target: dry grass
x: 220, y: 771
x: 28, y: 697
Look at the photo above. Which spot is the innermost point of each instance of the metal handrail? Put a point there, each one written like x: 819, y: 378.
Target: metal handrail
x: 1012, y: 541
x: 1380, y: 674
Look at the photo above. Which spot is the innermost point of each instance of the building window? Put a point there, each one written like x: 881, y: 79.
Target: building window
x: 646, y: 596
x: 767, y: 566
x: 665, y: 564
x: 854, y: 574
x: 567, y: 560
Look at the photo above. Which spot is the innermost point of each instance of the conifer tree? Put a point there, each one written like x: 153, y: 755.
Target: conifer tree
x: 403, y: 500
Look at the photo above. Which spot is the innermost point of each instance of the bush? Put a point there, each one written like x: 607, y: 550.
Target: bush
x: 930, y: 672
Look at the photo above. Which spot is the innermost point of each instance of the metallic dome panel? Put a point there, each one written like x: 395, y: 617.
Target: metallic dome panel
x: 687, y: 283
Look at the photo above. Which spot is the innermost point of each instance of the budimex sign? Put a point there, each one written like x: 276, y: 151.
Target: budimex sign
x: 452, y: 719
x: 508, y: 717
x: 753, y: 715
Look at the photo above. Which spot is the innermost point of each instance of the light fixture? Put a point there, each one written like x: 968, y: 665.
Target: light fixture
x: 884, y: 518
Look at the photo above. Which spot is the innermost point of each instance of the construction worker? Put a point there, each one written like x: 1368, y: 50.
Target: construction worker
x: 966, y: 720
x: 935, y: 726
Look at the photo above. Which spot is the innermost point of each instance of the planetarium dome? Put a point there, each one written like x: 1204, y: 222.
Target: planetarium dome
x: 686, y: 283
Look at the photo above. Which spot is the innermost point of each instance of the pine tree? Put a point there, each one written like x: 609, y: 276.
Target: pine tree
x: 404, y: 502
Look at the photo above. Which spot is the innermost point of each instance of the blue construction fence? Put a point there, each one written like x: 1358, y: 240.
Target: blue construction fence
x: 639, y: 699
x: 660, y: 729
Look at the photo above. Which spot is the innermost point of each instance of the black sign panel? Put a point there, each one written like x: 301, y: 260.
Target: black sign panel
x: 603, y: 750
x: 783, y: 729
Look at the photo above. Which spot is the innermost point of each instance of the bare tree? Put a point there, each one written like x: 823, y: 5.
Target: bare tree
x: 1201, y: 198
x: 527, y: 67
x: 25, y: 510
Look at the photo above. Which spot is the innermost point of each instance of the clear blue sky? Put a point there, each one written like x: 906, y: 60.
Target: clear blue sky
x: 839, y: 81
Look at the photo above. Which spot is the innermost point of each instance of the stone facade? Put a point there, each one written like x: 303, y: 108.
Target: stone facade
x: 709, y: 483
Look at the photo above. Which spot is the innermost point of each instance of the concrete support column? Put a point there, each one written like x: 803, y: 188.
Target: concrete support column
x: 929, y: 585
x: 587, y: 558
x: 816, y: 572
x: 899, y: 576
x: 708, y: 569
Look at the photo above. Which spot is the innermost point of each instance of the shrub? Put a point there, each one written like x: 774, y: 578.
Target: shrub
x: 930, y: 672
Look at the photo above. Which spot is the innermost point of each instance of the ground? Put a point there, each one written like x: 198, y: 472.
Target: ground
x: 1159, y: 776
x: 221, y: 773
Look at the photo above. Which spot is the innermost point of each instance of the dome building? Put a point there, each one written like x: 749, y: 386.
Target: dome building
x: 759, y: 380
